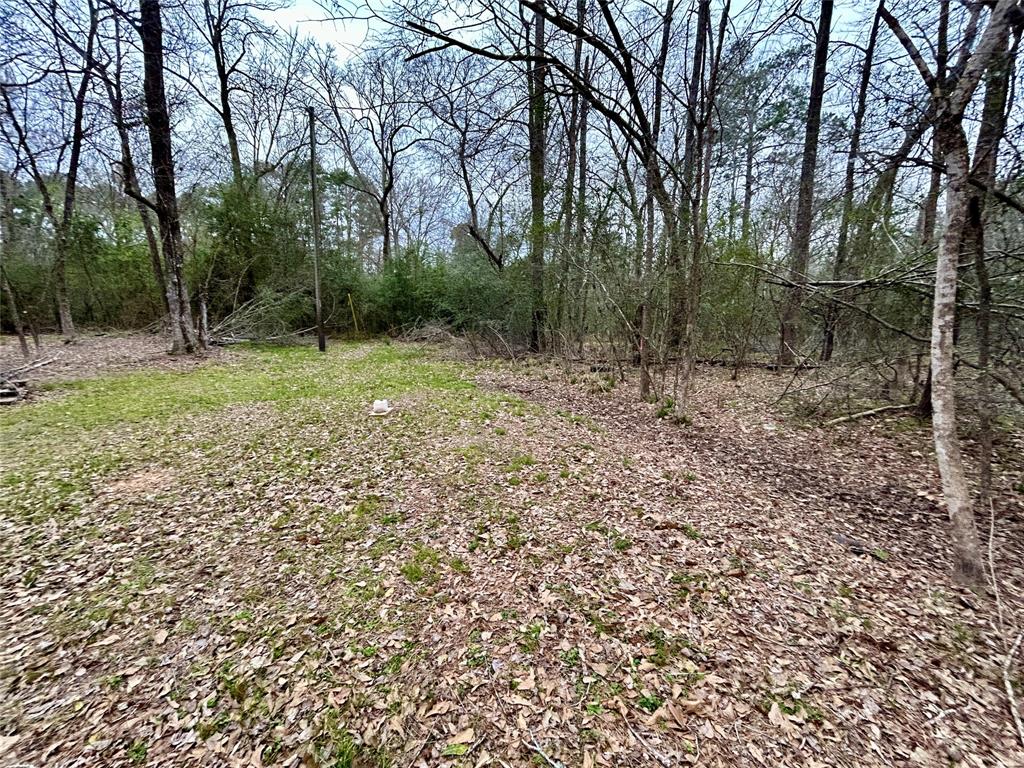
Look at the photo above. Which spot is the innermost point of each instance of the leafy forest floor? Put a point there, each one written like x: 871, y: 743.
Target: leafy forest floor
x: 232, y: 563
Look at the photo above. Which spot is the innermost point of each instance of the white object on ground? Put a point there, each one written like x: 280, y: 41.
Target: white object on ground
x: 380, y: 408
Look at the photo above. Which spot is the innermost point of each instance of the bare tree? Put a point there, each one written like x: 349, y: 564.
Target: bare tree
x: 951, y: 97
x: 74, y: 65
x: 800, y: 248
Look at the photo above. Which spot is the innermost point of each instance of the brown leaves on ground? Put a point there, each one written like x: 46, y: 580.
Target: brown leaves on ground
x: 527, y: 573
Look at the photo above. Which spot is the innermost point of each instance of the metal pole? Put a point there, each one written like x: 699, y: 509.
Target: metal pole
x: 321, y: 339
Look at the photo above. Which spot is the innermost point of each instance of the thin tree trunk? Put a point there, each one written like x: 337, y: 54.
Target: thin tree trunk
x: 748, y: 174
x: 6, y: 222
x: 930, y: 207
x: 572, y: 142
x: 993, y: 124
x: 183, y: 335
x: 128, y: 172
x: 67, y: 325
x: 581, y: 189
x: 947, y: 445
x: 536, y: 140
x: 12, y: 304
x: 839, y: 267
x: 215, y: 24
x: 680, y: 285
x: 949, y: 101
x: 800, y: 249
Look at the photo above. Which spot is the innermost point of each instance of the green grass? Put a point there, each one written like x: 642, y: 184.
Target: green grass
x: 264, y: 374
x: 87, y: 430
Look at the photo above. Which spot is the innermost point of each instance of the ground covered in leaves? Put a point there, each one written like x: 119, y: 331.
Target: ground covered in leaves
x: 235, y: 564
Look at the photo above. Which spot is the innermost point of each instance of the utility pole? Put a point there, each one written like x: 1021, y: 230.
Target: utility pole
x: 321, y: 339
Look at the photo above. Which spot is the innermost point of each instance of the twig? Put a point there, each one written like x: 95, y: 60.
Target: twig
x: 941, y: 714
x: 992, y: 566
x: 872, y: 412
x: 654, y: 753
x: 1014, y: 711
x: 536, y: 748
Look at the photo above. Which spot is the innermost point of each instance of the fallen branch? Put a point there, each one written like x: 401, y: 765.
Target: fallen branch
x: 22, y: 369
x: 872, y: 412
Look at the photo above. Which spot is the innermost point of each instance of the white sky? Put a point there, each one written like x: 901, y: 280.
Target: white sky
x: 307, y: 16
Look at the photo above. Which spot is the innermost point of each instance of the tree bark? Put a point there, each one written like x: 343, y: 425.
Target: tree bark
x: 567, y: 246
x: 947, y: 445
x: 129, y: 175
x: 800, y: 248
x: 950, y: 100
x: 183, y: 335
x: 680, y: 286
x: 986, y: 151
x: 535, y: 127
x: 842, y: 240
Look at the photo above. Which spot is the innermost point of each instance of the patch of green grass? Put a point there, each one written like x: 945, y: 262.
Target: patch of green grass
x: 476, y: 656
x: 137, y: 752
x: 366, y: 507
x: 690, y: 532
x: 423, y: 565
x: 666, y: 647
x: 207, y: 728
x: 570, y: 657
x: 791, y: 703
x: 335, y: 747
x: 519, y: 462
x: 650, y: 702
x: 529, y: 639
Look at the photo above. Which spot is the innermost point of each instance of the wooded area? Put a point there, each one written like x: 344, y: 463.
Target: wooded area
x: 830, y: 192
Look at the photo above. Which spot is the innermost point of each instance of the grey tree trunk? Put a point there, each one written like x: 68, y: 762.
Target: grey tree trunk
x: 950, y: 100
x: 966, y: 544
x: 842, y: 241
x: 535, y: 126
x: 800, y: 248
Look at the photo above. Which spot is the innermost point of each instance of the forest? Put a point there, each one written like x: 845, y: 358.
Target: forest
x: 701, y: 325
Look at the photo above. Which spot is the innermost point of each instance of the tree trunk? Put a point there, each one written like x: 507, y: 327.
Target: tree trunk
x: 129, y: 176
x: 215, y: 24
x: 748, y: 174
x: 67, y: 325
x: 990, y: 133
x: 930, y: 208
x: 581, y: 192
x: 947, y: 445
x: 567, y: 246
x: 535, y: 126
x: 183, y: 336
x: 12, y: 304
x: 789, y: 340
x: 839, y: 267
x: 679, y: 287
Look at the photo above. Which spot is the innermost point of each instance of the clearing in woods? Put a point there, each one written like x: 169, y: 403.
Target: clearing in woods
x: 233, y: 564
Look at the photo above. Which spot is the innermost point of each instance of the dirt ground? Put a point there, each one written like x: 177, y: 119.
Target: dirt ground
x: 97, y: 354
x: 234, y: 564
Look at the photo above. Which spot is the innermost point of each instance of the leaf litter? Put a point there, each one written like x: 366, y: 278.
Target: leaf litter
x: 517, y: 567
